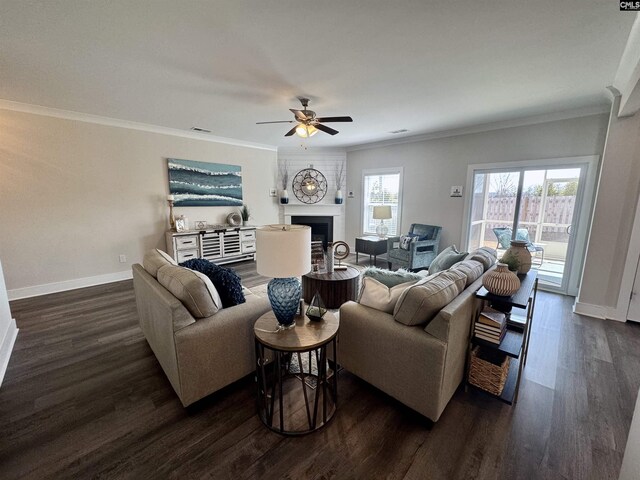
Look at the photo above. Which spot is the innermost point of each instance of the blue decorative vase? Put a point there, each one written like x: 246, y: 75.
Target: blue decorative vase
x: 284, y: 295
x: 284, y: 197
x: 339, y: 199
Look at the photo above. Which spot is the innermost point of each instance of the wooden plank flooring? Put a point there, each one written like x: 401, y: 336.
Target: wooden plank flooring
x: 84, y: 397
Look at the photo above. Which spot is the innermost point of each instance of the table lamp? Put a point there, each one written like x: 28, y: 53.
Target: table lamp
x: 382, y: 213
x: 284, y: 252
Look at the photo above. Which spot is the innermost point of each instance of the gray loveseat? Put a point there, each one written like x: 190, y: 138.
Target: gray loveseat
x: 199, y: 356
x: 421, y: 365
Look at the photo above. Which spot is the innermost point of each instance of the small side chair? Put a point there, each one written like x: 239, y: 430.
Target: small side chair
x: 420, y: 253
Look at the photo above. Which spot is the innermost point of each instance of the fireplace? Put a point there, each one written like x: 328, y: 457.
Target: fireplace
x: 321, y: 227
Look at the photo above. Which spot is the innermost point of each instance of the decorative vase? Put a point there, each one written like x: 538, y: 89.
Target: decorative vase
x: 284, y: 197
x: 329, y: 257
x: 518, y: 250
x: 501, y: 281
x: 339, y: 198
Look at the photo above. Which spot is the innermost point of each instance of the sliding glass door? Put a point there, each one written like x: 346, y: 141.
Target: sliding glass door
x: 537, y: 205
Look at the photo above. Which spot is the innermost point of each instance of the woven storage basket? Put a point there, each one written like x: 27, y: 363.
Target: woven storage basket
x: 488, y: 369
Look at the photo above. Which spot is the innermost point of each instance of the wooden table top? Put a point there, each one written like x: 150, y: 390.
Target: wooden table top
x: 371, y: 238
x: 306, y: 335
x: 336, y: 275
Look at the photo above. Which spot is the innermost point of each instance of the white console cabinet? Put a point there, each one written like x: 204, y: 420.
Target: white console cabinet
x: 218, y: 244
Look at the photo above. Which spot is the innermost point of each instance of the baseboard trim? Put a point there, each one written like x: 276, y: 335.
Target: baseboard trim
x: 7, y: 347
x: 47, y: 288
x: 596, y: 311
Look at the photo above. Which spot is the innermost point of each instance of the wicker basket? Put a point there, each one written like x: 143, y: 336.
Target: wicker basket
x: 488, y: 369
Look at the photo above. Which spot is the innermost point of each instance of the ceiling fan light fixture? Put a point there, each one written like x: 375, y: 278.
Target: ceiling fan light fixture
x: 305, y: 131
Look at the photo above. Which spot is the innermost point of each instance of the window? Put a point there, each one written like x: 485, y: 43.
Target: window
x: 381, y: 187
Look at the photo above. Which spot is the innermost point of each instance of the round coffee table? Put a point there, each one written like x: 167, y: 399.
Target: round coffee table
x: 289, y: 372
x: 335, y: 288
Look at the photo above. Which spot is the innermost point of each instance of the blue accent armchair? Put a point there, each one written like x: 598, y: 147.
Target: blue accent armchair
x: 420, y: 253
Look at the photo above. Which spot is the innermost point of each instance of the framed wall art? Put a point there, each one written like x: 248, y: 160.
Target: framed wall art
x: 203, y: 184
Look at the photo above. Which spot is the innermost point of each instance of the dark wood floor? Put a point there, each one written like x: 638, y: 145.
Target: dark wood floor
x: 84, y: 397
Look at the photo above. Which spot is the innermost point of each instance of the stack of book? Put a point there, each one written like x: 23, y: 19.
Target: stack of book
x: 491, y: 326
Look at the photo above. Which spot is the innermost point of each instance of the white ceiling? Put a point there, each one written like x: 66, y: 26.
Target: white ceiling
x: 420, y: 65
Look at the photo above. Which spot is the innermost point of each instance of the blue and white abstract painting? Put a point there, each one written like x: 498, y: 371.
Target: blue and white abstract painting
x: 202, y: 184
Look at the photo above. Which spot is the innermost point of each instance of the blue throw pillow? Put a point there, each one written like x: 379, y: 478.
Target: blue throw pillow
x: 226, y: 281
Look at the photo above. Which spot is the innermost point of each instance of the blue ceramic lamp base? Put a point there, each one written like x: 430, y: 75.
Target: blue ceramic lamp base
x: 284, y: 295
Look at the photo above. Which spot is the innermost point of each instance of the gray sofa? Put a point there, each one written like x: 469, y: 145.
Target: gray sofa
x: 199, y: 356
x: 419, y: 365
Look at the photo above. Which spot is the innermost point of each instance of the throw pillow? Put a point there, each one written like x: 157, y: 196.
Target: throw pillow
x: 193, y: 289
x: 389, y: 277
x: 485, y: 255
x: 422, y: 301
x: 154, y: 259
x: 471, y: 268
x: 377, y: 295
x: 446, y: 259
x: 226, y: 281
x: 406, y: 241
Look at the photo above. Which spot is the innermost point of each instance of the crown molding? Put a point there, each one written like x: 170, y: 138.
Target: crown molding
x: 114, y: 122
x: 487, y: 127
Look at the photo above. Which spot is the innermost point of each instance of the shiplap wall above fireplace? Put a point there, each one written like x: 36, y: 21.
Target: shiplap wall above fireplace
x: 326, y: 161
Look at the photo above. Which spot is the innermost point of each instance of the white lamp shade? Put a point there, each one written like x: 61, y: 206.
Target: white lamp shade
x: 305, y: 131
x: 283, y: 251
x: 382, y: 212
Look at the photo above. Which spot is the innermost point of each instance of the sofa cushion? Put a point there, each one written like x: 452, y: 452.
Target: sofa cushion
x: 192, y: 288
x: 391, y: 278
x: 445, y: 259
x: 422, y: 301
x: 485, y: 255
x: 471, y: 268
x: 377, y: 295
x: 227, y: 282
x: 154, y: 259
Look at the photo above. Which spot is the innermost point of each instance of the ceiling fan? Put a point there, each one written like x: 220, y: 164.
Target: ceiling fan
x: 307, y: 122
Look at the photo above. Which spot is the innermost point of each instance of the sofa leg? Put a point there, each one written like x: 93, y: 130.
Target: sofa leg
x: 388, y: 265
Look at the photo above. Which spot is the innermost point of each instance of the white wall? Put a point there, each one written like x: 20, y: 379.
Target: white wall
x: 431, y: 167
x: 617, y: 197
x: 327, y: 161
x: 75, y: 195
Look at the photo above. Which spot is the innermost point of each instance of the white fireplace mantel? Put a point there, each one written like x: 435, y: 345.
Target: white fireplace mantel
x: 317, y: 210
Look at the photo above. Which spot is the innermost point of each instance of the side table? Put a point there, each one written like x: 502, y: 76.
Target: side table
x: 295, y: 352
x: 373, y: 246
x: 515, y: 343
x: 335, y: 288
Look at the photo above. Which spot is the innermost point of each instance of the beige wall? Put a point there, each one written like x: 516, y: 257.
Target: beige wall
x: 431, y: 167
x: 616, y: 201
x: 75, y: 195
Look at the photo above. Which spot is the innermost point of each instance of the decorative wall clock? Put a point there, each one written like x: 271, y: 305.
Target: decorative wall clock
x: 309, y: 185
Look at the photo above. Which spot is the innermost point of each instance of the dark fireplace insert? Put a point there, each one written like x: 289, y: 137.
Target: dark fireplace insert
x: 321, y: 227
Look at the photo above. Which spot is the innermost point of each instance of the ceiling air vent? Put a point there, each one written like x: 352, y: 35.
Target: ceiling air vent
x: 402, y: 130
x: 200, y: 130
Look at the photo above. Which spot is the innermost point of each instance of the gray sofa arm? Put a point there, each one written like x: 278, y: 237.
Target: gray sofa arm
x: 393, y: 242
x: 216, y: 351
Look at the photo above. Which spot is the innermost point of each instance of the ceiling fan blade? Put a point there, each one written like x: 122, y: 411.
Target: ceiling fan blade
x: 299, y: 115
x: 325, y: 129
x: 334, y: 119
x: 291, y: 132
x: 278, y: 121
